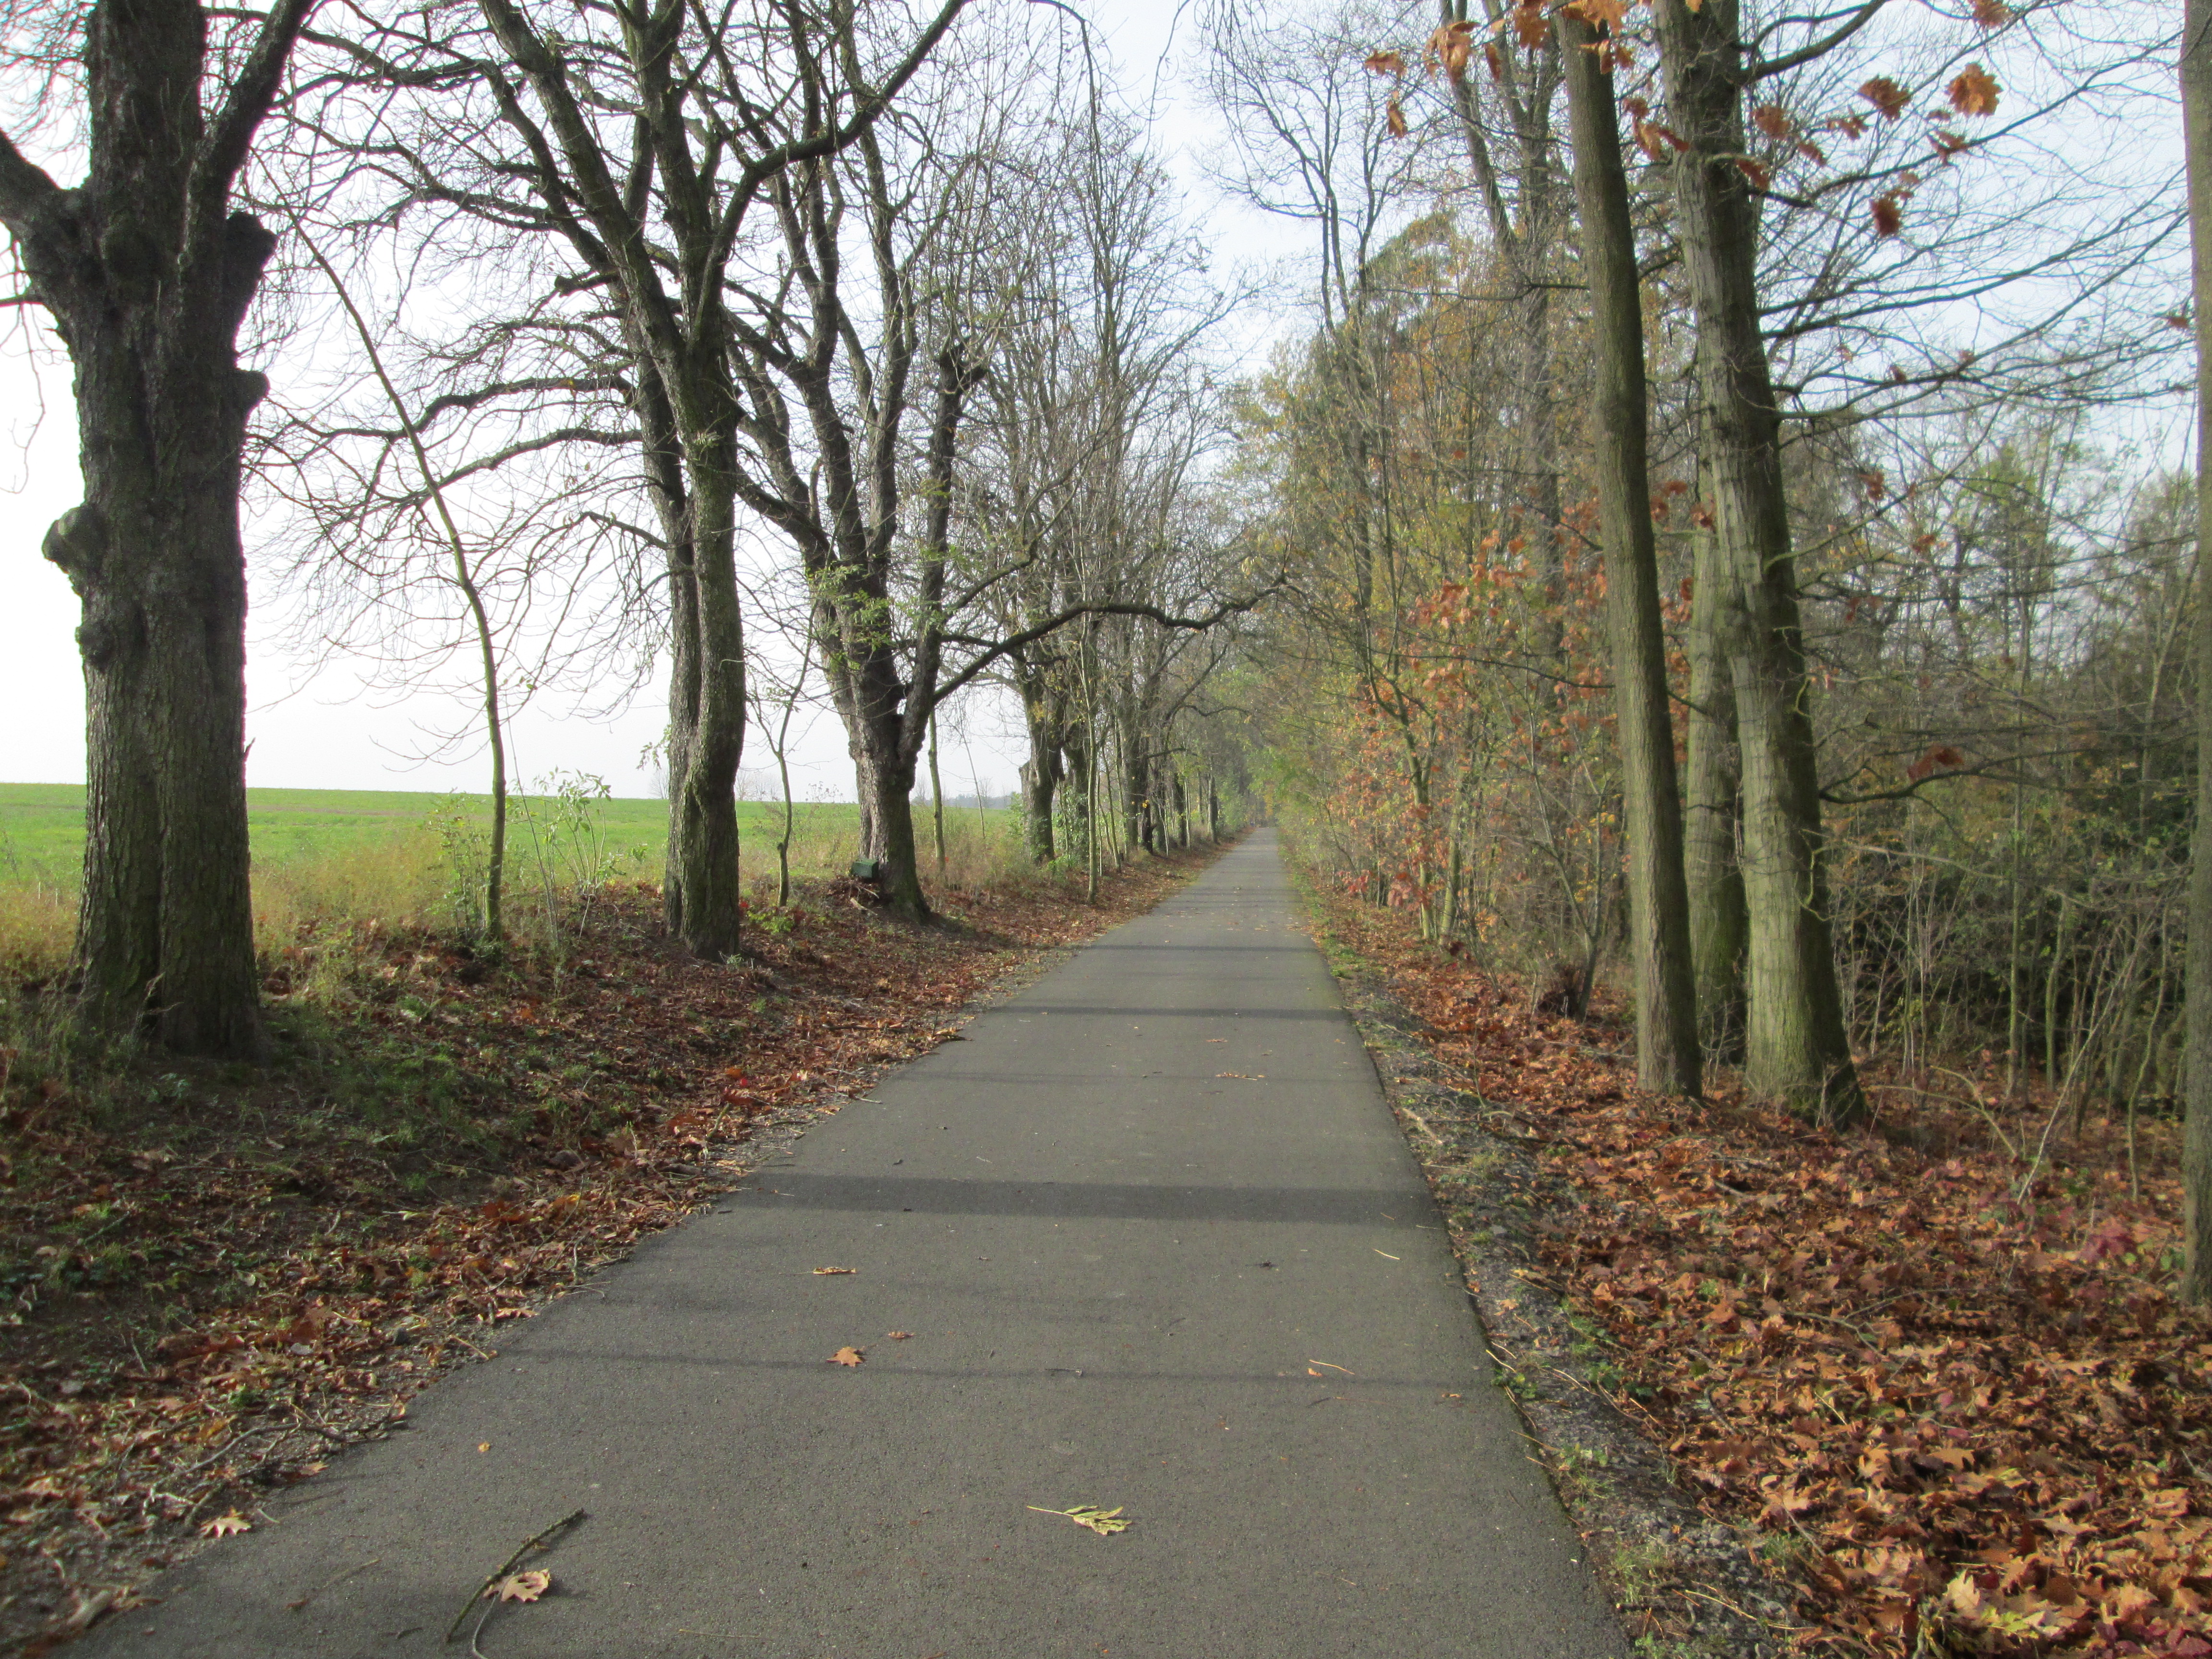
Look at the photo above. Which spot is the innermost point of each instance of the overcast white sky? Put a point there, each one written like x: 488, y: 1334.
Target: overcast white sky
x: 323, y: 731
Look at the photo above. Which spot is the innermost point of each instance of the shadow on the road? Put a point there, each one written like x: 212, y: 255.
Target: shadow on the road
x: 1113, y: 1010
x: 1103, y: 1200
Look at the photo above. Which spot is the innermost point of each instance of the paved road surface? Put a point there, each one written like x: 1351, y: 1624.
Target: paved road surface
x: 1159, y: 1245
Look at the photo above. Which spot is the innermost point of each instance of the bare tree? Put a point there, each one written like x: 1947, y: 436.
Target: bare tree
x: 642, y: 140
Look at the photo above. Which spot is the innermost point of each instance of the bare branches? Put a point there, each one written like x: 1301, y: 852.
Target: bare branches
x: 25, y: 187
x: 214, y: 169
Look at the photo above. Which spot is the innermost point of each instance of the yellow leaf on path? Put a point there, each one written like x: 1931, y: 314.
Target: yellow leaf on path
x: 1104, y: 1523
x: 520, y: 1587
x: 224, y: 1525
x: 820, y: 1271
x: 898, y: 1336
x: 847, y: 1357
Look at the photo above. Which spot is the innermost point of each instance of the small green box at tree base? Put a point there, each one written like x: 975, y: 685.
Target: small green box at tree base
x: 867, y: 869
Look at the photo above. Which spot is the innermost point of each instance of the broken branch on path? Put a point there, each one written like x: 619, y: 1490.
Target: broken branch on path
x: 538, y: 1541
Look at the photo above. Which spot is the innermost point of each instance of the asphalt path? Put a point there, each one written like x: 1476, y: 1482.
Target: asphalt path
x: 1159, y: 1248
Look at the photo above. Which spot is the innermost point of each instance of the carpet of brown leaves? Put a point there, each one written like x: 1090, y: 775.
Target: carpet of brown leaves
x: 211, y: 1290
x: 1938, y: 1365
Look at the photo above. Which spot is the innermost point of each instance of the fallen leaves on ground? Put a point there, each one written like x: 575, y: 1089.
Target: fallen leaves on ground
x: 1941, y: 1370
x: 520, y: 1587
x: 225, y: 1526
x: 1104, y: 1523
x: 202, y: 1296
x: 826, y: 1273
x: 847, y: 1357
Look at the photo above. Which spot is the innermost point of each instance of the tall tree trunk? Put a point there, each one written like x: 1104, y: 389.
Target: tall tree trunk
x: 1718, y: 926
x: 937, y: 797
x: 148, y: 279
x: 886, y: 783
x: 1667, y: 1059
x: 2197, y: 1146
x: 1044, y: 714
x: 700, y: 887
x: 705, y: 845
x: 1796, y: 1049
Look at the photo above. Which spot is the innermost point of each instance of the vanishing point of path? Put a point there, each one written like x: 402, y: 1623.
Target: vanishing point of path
x: 1159, y: 1245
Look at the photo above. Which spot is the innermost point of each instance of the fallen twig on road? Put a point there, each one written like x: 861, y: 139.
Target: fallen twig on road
x: 536, y: 1541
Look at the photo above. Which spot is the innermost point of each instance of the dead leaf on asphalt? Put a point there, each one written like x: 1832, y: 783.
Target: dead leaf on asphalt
x: 368, y: 1295
x: 820, y: 1273
x: 898, y: 1336
x: 224, y: 1525
x: 520, y: 1587
x: 847, y: 1357
x: 1104, y: 1523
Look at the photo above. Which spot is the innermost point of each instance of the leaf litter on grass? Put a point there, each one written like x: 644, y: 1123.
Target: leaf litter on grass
x: 1952, y: 1387
x: 212, y: 1291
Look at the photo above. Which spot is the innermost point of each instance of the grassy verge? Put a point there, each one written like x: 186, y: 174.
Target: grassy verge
x: 328, y: 860
x: 211, y: 1276
x: 1934, y: 1375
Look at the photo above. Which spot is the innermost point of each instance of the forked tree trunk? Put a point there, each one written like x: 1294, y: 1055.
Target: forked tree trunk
x: 148, y: 279
x: 1796, y: 1049
x: 2197, y: 1146
x: 1666, y: 1058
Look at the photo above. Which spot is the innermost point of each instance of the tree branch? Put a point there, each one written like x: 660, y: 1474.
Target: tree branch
x: 24, y: 186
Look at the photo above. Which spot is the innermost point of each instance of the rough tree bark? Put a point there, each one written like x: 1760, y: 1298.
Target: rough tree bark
x: 148, y: 277
x: 1796, y: 1049
x: 2197, y: 1146
x: 1718, y: 928
x: 1044, y: 714
x: 1666, y: 1058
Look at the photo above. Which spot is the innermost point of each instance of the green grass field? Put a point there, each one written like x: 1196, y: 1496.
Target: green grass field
x: 42, y: 825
